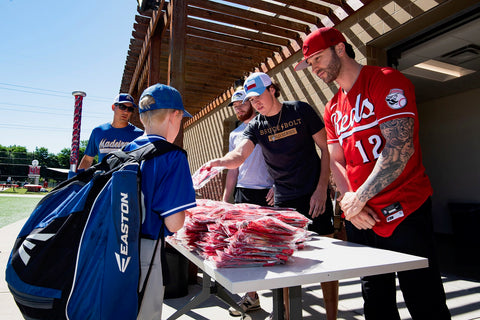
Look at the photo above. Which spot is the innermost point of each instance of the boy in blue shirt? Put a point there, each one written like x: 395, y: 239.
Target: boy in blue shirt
x: 167, y: 188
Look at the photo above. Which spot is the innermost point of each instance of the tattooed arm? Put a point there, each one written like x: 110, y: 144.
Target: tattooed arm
x: 398, y: 134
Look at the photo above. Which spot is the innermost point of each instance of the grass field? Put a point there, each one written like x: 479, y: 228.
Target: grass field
x: 15, y: 208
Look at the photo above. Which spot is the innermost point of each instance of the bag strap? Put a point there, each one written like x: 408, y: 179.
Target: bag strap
x: 161, y: 240
x: 145, y: 152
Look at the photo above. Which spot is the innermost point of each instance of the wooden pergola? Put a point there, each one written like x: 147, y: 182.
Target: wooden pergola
x: 201, y: 47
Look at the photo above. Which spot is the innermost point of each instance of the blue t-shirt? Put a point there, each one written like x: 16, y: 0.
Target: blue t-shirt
x: 167, y: 187
x: 105, y: 139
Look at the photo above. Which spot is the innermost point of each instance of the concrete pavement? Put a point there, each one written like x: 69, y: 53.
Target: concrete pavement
x: 463, y: 296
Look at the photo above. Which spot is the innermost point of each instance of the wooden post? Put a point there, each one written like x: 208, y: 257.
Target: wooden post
x: 154, y: 57
x: 176, y: 58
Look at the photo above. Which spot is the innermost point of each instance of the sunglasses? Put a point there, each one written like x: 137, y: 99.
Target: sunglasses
x: 124, y: 107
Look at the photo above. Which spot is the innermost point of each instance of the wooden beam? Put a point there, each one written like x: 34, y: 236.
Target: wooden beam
x: 176, y: 58
x: 138, y: 35
x: 230, y: 39
x: 210, y: 63
x: 219, y: 71
x: 206, y: 68
x: 197, y: 82
x: 197, y: 96
x: 154, y: 56
x: 142, y: 19
x: 283, y: 11
x: 250, y: 24
x: 222, y: 45
x: 156, y: 17
x: 213, y: 63
x: 208, y: 43
x: 316, y: 8
x: 250, y: 15
x: 136, y: 42
x: 142, y: 28
x: 225, y: 51
x: 242, y: 33
x: 134, y: 50
x: 310, y: 6
x: 193, y: 55
x: 205, y: 88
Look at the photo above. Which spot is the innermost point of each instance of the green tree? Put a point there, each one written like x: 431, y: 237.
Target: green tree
x: 18, y: 155
x: 45, y: 158
x: 4, y: 155
x: 41, y: 154
x: 64, y: 156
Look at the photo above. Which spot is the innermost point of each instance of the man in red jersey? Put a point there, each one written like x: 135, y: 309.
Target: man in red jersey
x: 372, y: 135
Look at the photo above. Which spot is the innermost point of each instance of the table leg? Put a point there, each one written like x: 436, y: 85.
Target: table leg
x: 295, y: 295
x: 223, y: 295
x: 208, y: 288
x: 195, y: 301
x: 278, y: 304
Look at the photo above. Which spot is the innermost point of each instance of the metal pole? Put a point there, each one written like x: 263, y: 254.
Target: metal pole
x: 77, y: 121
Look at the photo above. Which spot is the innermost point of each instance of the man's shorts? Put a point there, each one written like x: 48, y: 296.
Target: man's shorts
x: 255, y: 196
x: 323, y: 224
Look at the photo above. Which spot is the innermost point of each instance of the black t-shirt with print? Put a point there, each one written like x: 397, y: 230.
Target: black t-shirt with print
x: 289, y: 151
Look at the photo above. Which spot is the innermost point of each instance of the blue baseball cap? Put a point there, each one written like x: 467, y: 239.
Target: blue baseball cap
x: 255, y: 84
x: 124, y: 98
x: 164, y: 97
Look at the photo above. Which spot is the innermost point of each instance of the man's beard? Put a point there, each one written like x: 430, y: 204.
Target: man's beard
x: 246, y: 116
x: 333, y: 69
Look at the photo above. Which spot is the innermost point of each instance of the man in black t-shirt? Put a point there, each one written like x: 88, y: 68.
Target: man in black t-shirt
x: 288, y: 133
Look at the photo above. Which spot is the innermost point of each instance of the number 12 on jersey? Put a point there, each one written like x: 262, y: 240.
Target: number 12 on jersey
x: 376, y: 142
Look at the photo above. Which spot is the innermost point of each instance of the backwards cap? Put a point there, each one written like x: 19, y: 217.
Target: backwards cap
x: 256, y: 84
x: 317, y: 41
x: 164, y: 97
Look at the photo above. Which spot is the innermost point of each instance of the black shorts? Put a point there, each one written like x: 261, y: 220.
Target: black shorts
x: 323, y: 224
x: 255, y: 196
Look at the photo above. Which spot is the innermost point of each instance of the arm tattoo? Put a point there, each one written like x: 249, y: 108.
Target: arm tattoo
x: 398, y: 134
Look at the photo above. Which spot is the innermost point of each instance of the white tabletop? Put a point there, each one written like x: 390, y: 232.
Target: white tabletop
x: 323, y: 259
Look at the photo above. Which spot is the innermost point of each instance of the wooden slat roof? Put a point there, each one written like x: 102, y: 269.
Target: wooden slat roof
x: 226, y: 40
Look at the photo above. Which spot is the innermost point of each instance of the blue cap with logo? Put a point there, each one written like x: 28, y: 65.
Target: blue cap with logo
x: 124, y: 98
x: 255, y: 84
x: 164, y: 97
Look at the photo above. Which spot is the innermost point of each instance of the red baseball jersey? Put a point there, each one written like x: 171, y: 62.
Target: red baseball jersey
x: 352, y: 119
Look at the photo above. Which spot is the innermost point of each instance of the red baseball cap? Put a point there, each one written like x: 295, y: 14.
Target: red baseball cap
x: 317, y: 41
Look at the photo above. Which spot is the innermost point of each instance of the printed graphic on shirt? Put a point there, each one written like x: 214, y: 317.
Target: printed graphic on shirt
x: 282, y: 130
x: 345, y: 124
x: 106, y: 146
x: 396, y: 99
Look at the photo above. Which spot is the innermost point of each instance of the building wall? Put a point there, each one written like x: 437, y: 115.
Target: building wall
x: 450, y: 137
x: 206, y: 139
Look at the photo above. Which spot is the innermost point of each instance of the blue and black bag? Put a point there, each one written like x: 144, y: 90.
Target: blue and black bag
x: 77, y: 256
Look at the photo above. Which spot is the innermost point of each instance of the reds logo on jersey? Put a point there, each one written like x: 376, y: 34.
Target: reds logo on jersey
x: 396, y: 99
x: 345, y: 123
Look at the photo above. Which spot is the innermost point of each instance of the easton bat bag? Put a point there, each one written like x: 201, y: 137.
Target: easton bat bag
x: 77, y: 256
